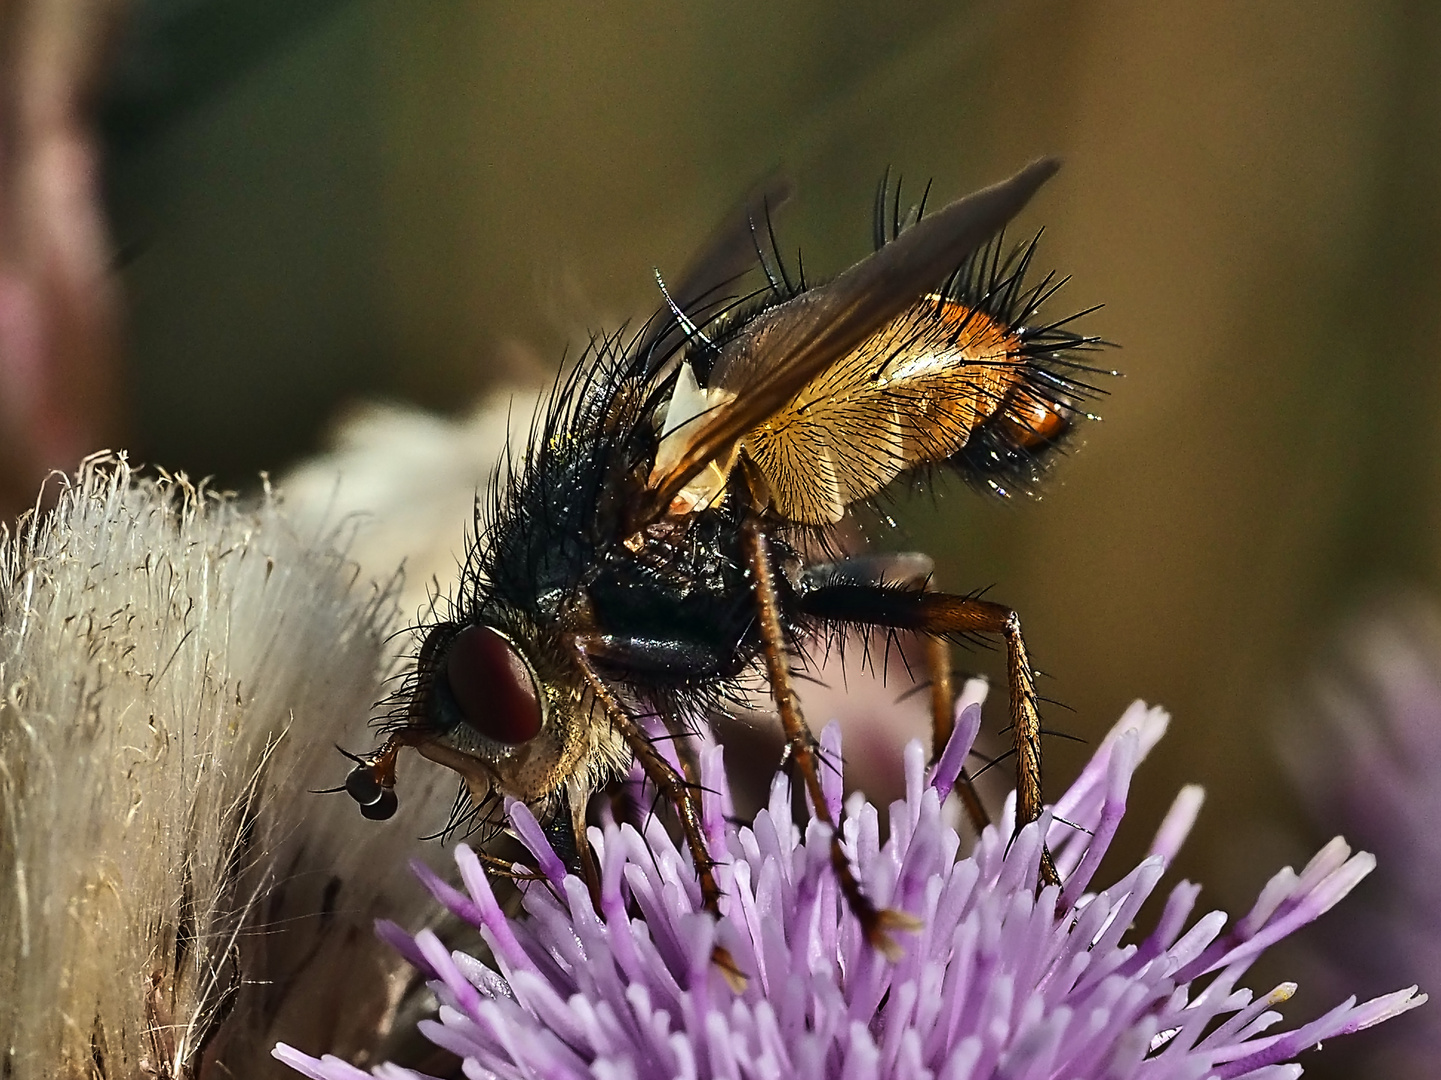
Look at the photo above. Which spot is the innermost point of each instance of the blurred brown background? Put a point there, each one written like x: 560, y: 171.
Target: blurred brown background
x: 351, y: 199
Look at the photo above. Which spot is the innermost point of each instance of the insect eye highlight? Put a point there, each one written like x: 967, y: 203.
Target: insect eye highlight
x: 490, y: 686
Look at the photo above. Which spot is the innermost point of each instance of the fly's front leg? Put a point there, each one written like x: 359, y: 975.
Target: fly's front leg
x: 672, y: 787
x: 875, y: 923
x: 941, y: 614
x: 577, y: 802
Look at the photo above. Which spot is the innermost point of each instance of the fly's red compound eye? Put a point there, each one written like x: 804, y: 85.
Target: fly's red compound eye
x: 493, y: 688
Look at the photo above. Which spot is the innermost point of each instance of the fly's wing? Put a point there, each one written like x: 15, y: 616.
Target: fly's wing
x: 727, y: 255
x: 785, y: 348
x: 910, y: 394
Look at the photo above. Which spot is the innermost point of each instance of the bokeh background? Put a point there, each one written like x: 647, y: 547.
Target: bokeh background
x: 313, y: 204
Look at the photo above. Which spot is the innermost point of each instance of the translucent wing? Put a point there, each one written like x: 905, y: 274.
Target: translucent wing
x: 727, y: 255
x: 908, y: 395
x: 787, y: 347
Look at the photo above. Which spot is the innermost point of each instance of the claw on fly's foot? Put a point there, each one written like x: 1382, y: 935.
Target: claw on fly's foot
x: 878, y: 927
x: 730, y: 972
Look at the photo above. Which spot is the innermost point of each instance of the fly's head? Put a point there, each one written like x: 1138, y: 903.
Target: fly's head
x: 490, y: 703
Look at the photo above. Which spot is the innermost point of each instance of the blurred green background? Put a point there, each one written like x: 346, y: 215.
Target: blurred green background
x: 324, y: 203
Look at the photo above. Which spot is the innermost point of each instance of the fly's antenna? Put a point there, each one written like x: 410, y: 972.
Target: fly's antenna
x: 690, y: 328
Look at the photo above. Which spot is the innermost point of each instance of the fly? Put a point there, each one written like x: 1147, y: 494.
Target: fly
x: 660, y: 539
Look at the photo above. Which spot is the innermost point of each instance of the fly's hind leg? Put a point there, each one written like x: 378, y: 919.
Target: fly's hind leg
x: 875, y: 923
x: 910, y: 571
x: 942, y: 615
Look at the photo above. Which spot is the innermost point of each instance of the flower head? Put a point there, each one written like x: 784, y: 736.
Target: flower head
x: 1365, y: 750
x: 999, y: 981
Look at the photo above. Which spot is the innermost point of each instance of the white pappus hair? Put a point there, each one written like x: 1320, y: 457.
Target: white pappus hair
x: 175, y: 668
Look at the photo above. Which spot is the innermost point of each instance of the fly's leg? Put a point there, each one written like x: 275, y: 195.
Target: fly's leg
x: 675, y: 790
x: 577, y: 801
x: 876, y: 924
x: 672, y: 786
x: 941, y: 615
x: 943, y: 698
x: 909, y: 570
x: 943, y: 723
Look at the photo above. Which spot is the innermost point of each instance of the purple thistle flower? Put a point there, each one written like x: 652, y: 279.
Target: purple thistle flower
x: 999, y: 981
x: 1364, y: 747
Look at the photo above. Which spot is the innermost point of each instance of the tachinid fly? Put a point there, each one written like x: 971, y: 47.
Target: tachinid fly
x: 660, y: 540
